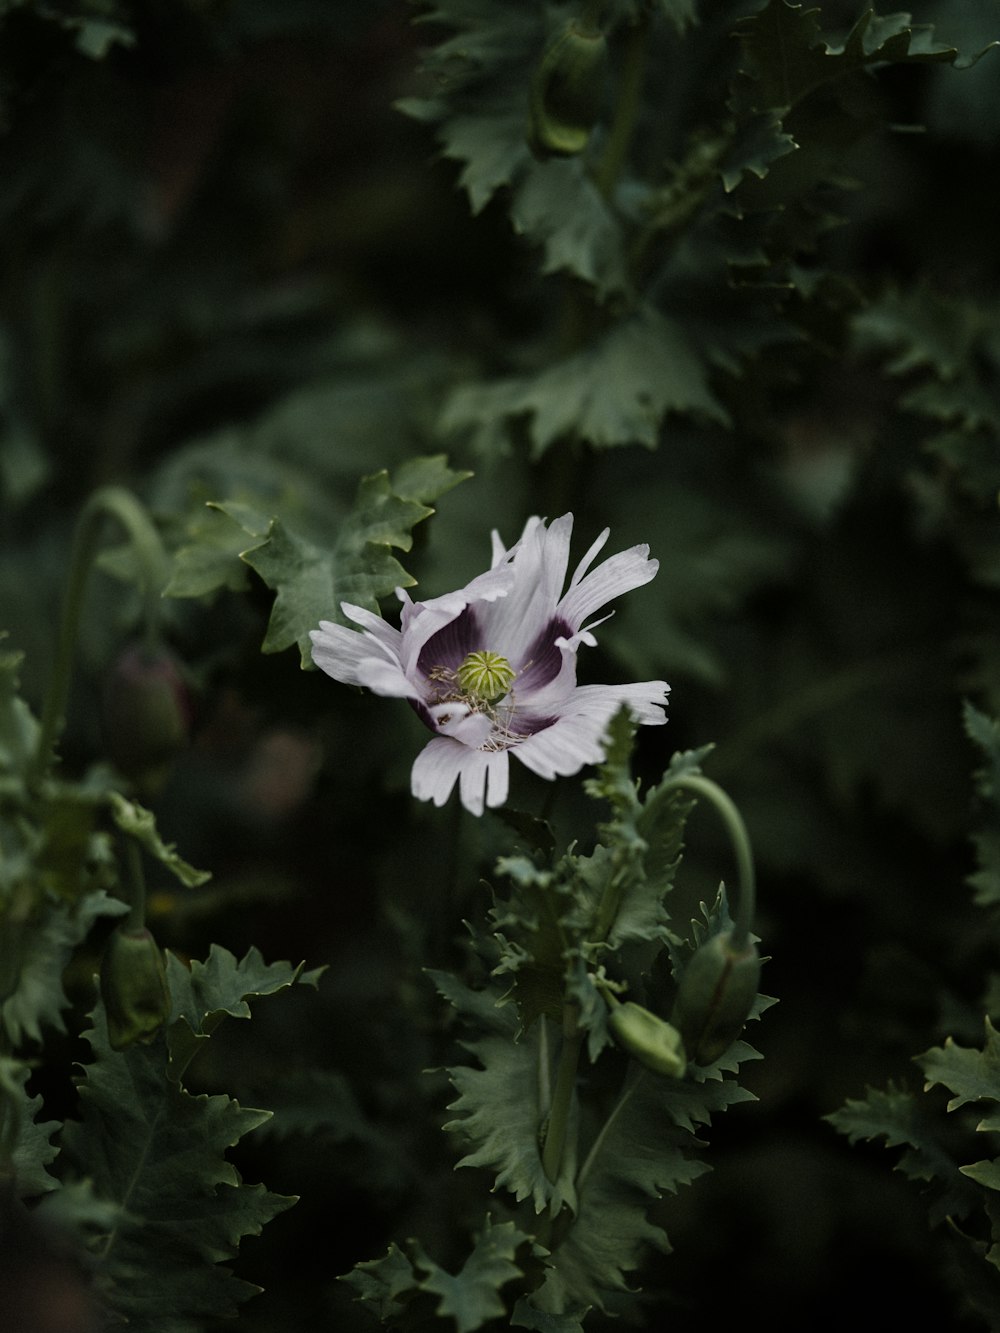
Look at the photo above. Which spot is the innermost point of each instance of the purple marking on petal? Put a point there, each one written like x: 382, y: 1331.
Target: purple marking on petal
x: 450, y: 646
x: 528, y: 726
x: 543, y: 660
x: 423, y: 713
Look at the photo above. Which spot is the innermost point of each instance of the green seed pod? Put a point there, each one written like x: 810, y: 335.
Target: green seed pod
x: 146, y: 713
x: 716, y: 995
x: 133, y: 987
x: 566, y: 92
x: 653, y: 1042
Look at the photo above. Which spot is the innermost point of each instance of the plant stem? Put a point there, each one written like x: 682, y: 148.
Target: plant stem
x: 740, y: 839
x: 562, y: 1096
x: 108, y: 502
x: 137, y: 886
x: 627, y: 109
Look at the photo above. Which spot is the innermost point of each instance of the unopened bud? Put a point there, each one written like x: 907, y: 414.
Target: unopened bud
x: 133, y: 987
x: 715, y: 997
x: 146, y: 712
x: 567, y: 91
x: 650, y: 1040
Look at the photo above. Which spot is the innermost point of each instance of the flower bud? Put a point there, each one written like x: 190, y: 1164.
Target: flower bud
x: 653, y: 1042
x: 146, y: 712
x: 566, y: 92
x: 133, y: 987
x: 715, y: 997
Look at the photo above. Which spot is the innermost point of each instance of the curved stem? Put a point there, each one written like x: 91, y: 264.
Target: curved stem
x: 740, y: 839
x: 108, y: 502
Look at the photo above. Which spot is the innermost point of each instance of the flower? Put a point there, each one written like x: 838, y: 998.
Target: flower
x: 491, y: 669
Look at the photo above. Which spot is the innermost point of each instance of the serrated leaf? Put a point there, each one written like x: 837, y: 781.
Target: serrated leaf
x: 970, y: 1074
x: 27, y: 1140
x: 558, y: 207
x: 140, y: 824
x: 205, y: 993
x: 209, y: 561
x: 985, y: 1173
x: 615, y: 392
x: 497, y: 1114
x: 472, y: 1296
x: 19, y: 728
x: 900, y: 1118
x: 642, y: 1151
x: 381, y: 1283
x: 44, y: 948
x: 311, y: 581
x: 785, y: 58
x: 157, y: 1154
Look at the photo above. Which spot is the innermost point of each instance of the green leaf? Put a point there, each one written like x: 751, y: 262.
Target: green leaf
x: 312, y: 580
x: 205, y: 993
x: 158, y: 1155
x: 784, y: 56
x: 382, y: 1283
x: 558, y: 207
x: 43, y: 949
x: 901, y: 1119
x: 472, y: 1296
x: 643, y: 1149
x: 497, y: 1112
x: 209, y: 561
x: 18, y: 727
x: 27, y: 1141
x: 140, y: 824
x: 615, y: 392
x: 971, y: 1075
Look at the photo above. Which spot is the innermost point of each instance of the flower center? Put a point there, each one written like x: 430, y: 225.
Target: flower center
x: 485, y: 676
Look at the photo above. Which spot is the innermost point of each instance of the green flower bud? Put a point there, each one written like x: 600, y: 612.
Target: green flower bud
x: 133, y: 987
x: 716, y: 994
x: 566, y: 92
x: 653, y: 1042
x: 146, y: 713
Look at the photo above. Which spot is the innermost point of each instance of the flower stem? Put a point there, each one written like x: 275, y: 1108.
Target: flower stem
x: 740, y: 839
x: 627, y: 110
x: 136, y: 918
x: 562, y: 1096
x: 108, y: 502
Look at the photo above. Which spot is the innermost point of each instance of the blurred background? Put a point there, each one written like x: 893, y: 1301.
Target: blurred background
x: 232, y: 270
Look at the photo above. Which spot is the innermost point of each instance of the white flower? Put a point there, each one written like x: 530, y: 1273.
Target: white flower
x: 491, y: 669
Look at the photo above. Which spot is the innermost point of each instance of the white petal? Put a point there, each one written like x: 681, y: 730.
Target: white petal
x: 377, y: 627
x: 539, y: 564
x: 497, y: 778
x: 472, y: 780
x: 577, y: 736
x: 462, y: 723
x: 619, y: 573
x: 436, y: 769
x: 345, y: 654
x: 589, y: 558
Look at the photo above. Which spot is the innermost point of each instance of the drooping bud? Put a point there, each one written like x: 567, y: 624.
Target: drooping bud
x: 567, y: 91
x: 650, y: 1040
x: 146, y: 712
x: 133, y: 987
x: 715, y: 997
x: 486, y: 676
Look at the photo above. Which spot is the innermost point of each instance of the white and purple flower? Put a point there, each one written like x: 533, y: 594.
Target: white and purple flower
x: 491, y: 669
